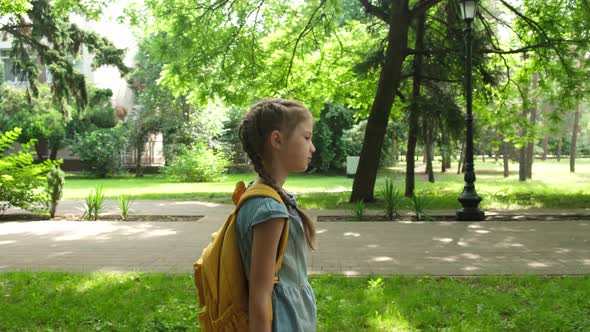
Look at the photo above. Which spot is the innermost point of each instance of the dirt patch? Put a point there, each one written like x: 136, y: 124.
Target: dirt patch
x: 134, y: 218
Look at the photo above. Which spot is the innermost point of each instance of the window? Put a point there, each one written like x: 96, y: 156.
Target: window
x: 11, y: 74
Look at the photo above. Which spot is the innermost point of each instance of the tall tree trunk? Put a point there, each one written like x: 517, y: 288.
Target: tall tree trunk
x: 559, y: 147
x: 443, y: 153
x: 394, y: 149
x: 449, y: 153
x: 531, y: 146
x: 522, y: 164
x: 574, y: 139
x: 546, y: 112
x: 460, y: 167
x: 506, y: 158
x: 53, y: 154
x: 40, y: 152
x: 429, y: 170
x: 497, y: 153
x: 413, y: 125
x: 389, y: 80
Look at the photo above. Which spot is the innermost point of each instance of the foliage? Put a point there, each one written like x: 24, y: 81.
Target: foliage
x: 38, y: 118
x: 359, y: 209
x: 124, y: 204
x: 230, y: 138
x: 353, y: 140
x: 14, y: 6
x: 99, y: 151
x: 52, y: 41
x: 183, y: 119
x: 392, y: 198
x: 327, y: 138
x: 341, y: 51
x: 197, y: 164
x: 246, y: 57
x: 22, y: 183
x: 55, y: 186
x: 420, y: 203
x: 94, y: 204
x: 99, y: 113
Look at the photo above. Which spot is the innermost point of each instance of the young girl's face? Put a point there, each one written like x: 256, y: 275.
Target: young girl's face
x: 297, y: 150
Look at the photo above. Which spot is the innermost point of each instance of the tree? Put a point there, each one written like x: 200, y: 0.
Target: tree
x: 42, y: 36
x: 575, y: 131
x: 39, y: 119
x: 237, y: 50
x: 331, y: 149
x: 99, y: 151
x: 14, y: 6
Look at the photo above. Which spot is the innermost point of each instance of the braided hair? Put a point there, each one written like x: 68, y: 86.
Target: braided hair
x: 261, y: 120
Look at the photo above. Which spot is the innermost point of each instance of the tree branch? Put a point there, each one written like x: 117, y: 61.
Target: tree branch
x: 430, y: 78
x: 537, y: 28
x: 422, y: 7
x: 305, y: 31
x: 524, y: 49
x: 490, y: 32
x: 499, y: 20
x: 375, y: 11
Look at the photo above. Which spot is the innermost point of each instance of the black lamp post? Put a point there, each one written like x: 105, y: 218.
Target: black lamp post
x: 469, y: 198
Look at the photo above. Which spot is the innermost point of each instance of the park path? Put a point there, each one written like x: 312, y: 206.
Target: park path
x: 347, y: 248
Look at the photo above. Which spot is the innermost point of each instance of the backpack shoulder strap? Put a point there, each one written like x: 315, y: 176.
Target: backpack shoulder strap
x: 262, y: 190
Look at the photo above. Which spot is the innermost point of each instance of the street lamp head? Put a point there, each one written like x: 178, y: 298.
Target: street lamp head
x: 468, y: 9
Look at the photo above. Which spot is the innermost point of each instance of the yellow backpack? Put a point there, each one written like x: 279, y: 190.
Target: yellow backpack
x: 219, y: 274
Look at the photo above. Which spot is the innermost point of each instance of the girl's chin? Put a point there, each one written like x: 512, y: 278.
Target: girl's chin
x: 300, y: 169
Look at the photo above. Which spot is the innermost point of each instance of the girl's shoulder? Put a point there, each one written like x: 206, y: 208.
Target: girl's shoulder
x: 259, y: 209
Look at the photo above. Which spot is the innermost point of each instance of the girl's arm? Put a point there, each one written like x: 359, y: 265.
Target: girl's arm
x: 265, y: 244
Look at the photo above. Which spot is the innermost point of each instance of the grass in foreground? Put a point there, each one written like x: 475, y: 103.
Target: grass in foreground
x: 159, y: 302
x: 553, y: 186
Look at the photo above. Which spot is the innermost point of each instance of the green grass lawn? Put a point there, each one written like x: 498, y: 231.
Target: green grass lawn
x: 158, y: 302
x: 552, y: 186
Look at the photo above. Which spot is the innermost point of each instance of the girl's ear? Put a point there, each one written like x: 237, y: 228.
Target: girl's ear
x: 276, y: 139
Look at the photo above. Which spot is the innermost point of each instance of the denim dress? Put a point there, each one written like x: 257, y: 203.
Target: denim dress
x: 294, y: 306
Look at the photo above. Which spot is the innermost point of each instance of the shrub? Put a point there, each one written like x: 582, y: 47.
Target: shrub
x: 420, y: 203
x: 55, y: 184
x: 94, y: 204
x: 99, y: 151
x: 392, y: 198
x: 22, y: 183
x: 359, y: 210
x: 124, y: 204
x: 197, y: 164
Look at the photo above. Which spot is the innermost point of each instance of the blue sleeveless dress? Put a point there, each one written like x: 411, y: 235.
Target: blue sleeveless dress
x: 294, y: 305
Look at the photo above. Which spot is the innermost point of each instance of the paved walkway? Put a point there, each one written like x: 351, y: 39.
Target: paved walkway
x: 349, y: 248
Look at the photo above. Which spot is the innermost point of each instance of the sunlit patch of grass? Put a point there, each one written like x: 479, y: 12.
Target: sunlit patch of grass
x: 162, y: 302
x: 552, y: 186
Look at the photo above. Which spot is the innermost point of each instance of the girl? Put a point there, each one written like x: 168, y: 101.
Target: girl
x: 276, y: 135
